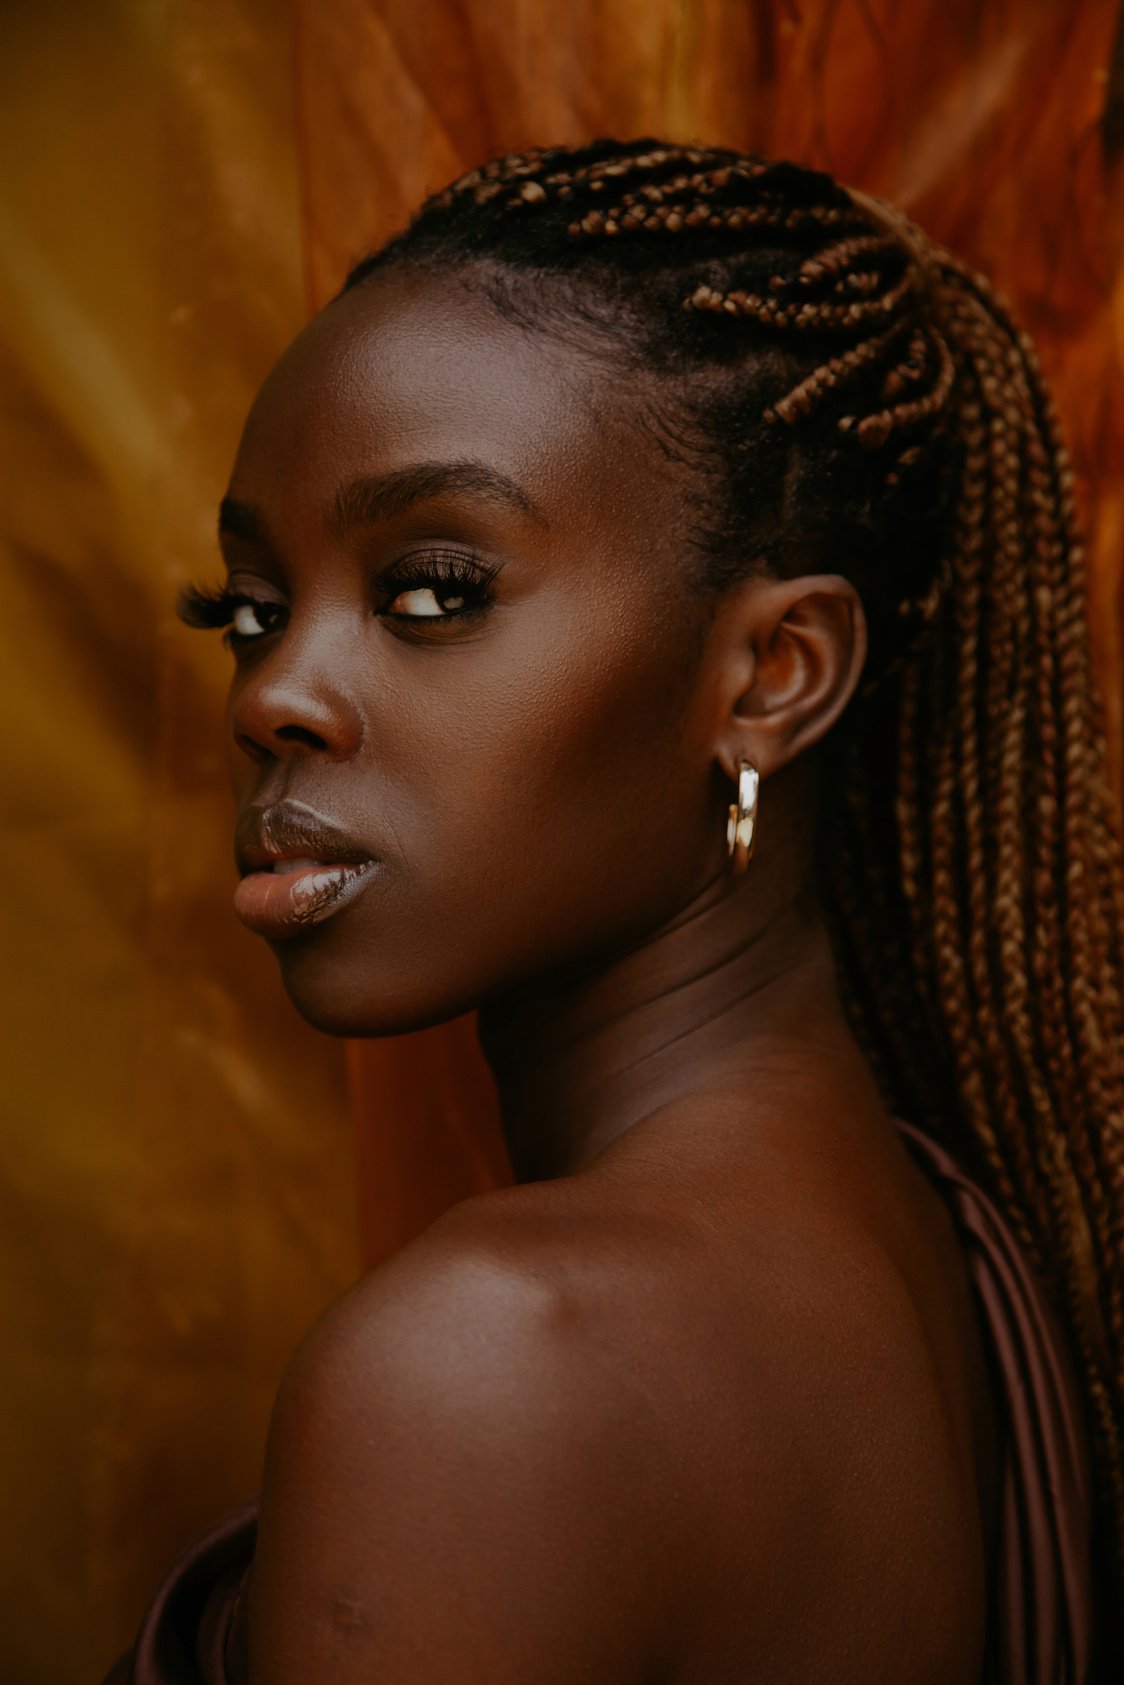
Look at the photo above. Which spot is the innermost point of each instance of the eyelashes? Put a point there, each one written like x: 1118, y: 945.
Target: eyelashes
x: 458, y: 586
x: 209, y: 609
x: 433, y: 587
x: 205, y: 608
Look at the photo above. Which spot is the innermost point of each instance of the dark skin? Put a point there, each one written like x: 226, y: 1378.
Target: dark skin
x: 703, y: 1398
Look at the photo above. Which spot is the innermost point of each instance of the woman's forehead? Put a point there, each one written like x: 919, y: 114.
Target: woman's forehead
x: 411, y: 367
x: 412, y: 353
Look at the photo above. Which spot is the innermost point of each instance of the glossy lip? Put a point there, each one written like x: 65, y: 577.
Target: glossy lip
x: 291, y: 830
x: 279, y: 905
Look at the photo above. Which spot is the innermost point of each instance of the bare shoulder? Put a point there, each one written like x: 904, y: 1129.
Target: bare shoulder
x: 577, y: 1423
x: 503, y: 1295
x: 454, y: 1458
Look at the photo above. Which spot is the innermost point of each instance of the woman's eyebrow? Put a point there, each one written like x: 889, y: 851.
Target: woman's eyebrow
x: 379, y: 497
x: 240, y: 520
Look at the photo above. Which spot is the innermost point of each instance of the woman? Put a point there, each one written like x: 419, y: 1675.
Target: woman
x: 632, y: 489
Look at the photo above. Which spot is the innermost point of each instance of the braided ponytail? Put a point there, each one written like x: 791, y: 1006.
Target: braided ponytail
x: 856, y: 383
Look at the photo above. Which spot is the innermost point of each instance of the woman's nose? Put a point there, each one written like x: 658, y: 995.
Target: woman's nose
x: 286, y: 705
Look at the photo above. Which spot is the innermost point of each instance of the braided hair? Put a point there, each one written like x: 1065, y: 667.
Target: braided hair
x: 850, y: 390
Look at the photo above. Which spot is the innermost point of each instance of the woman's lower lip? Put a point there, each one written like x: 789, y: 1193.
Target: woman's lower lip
x: 279, y: 904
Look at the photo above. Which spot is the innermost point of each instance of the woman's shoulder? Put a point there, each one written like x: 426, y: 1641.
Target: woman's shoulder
x: 626, y: 1402
x: 462, y: 1472
x: 517, y: 1342
x: 507, y: 1280
x: 577, y: 1425
x: 617, y: 1286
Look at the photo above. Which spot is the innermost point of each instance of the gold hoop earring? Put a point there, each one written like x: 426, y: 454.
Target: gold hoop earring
x: 741, y: 827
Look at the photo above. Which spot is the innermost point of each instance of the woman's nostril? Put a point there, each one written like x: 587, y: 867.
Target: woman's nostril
x: 301, y: 734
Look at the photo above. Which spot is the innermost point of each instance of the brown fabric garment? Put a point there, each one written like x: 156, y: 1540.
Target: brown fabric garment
x: 193, y: 1631
x: 1042, y: 1574
x: 1041, y: 1592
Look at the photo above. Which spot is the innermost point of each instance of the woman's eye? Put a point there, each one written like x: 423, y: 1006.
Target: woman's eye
x: 246, y: 620
x: 438, y: 585
x: 249, y: 620
x: 425, y: 602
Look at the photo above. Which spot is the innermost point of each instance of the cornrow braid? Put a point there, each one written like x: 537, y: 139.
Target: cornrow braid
x: 846, y: 379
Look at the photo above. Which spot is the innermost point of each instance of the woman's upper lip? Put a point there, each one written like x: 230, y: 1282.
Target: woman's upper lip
x: 291, y: 830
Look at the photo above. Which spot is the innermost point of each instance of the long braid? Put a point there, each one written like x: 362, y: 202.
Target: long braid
x: 975, y: 884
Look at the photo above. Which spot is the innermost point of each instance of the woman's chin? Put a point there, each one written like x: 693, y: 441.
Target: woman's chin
x: 340, y: 1022
x: 337, y: 1003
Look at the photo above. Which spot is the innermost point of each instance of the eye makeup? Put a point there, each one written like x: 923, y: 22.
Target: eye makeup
x: 437, y: 585
x: 210, y: 608
x: 431, y: 586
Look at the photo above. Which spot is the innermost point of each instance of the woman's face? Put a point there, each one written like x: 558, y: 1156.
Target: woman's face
x: 471, y: 648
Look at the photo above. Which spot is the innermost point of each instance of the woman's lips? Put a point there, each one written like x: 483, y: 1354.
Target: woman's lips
x: 298, y: 867
x: 297, y: 893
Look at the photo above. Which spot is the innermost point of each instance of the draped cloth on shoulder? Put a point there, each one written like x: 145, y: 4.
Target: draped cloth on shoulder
x: 193, y: 1632
x: 1042, y: 1586
x: 1041, y: 1611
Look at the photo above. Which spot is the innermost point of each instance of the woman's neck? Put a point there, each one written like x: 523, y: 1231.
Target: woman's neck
x: 723, y: 994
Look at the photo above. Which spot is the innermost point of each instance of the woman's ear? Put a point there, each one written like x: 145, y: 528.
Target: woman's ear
x: 792, y: 652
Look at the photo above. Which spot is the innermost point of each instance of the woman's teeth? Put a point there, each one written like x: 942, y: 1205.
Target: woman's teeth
x: 286, y: 866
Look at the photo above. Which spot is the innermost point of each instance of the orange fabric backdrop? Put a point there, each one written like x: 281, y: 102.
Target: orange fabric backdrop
x: 182, y: 183
x: 177, y: 1193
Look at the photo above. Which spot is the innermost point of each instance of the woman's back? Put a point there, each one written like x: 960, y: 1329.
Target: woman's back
x: 788, y: 1386
x: 796, y: 1313
x: 768, y: 1358
x: 852, y: 1424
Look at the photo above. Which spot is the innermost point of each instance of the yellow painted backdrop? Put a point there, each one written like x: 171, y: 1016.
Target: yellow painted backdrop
x: 188, y: 1172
